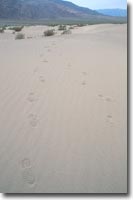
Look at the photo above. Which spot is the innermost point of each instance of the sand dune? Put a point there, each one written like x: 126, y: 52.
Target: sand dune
x: 63, y: 111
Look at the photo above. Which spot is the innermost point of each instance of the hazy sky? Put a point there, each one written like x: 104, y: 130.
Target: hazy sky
x: 99, y: 4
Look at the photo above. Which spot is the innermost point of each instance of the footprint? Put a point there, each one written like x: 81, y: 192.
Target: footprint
x: 27, y: 172
x: 45, y: 61
x: 109, y: 116
x: 84, y: 73
x: 108, y: 99
x: 28, y: 176
x: 100, y: 95
x: 110, y: 119
x: 83, y: 83
x: 33, y: 120
x: 31, y: 97
x: 42, y: 79
x: 25, y: 163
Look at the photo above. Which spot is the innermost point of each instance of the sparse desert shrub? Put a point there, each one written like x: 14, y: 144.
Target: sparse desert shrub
x: 71, y: 27
x: 66, y: 32
x: 19, y: 36
x: 2, y: 29
x: 53, y: 25
x: 17, y: 28
x: 81, y: 25
x: 62, y: 28
x: 49, y: 32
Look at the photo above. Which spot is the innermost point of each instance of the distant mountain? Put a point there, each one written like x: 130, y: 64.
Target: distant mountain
x: 42, y: 9
x: 113, y: 12
x: 50, y: 11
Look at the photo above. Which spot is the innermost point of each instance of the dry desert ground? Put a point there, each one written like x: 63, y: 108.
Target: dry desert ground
x: 63, y: 111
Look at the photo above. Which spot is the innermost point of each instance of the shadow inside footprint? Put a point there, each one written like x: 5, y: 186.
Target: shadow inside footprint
x: 33, y: 123
x: 84, y: 73
x: 45, y: 61
x: 110, y: 119
x: 108, y: 99
x: 109, y: 116
x: 83, y: 83
x: 42, y: 79
x: 100, y: 95
x: 31, y: 97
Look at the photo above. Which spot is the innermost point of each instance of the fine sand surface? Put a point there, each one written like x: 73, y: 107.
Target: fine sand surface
x: 63, y: 111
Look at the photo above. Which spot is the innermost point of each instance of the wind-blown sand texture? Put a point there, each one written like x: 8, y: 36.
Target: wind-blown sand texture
x: 63, y: 111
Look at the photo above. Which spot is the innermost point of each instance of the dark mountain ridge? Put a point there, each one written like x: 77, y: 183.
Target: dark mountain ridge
x: 42, y: 9
x: 50, y: 11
